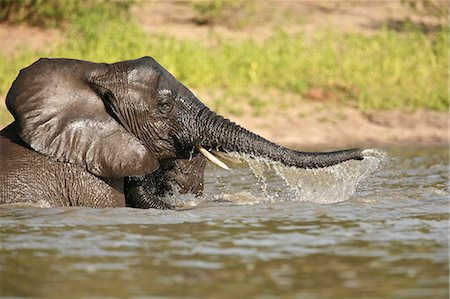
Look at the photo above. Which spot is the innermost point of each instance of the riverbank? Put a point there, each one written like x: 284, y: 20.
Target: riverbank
x: 334, y: 127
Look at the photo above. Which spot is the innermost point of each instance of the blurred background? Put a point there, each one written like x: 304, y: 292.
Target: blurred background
x: 302, y: 73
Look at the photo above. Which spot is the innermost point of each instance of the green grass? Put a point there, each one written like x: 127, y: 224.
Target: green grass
x: 53, y: 13
x: 406, y: 70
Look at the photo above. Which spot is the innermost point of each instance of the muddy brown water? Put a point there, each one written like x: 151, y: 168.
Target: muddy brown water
x: 260, y: 231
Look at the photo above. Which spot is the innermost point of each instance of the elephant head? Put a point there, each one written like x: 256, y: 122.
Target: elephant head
x: 128, y: 118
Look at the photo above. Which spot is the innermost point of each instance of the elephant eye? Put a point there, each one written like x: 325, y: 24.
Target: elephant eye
x: 165, y: 105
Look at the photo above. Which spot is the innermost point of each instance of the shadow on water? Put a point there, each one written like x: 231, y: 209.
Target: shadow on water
x: 389, y: 239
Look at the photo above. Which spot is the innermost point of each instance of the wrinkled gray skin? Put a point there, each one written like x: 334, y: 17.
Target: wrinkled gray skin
x: 122, y: 134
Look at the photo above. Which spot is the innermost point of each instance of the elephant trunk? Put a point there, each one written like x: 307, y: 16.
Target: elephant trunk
x: 220, y: 133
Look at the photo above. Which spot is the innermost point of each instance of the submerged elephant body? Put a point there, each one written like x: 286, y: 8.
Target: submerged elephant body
x: 27, y: 176
x: 122, y: 134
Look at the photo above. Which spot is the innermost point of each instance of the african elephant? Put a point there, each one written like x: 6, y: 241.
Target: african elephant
x: 121, y: 134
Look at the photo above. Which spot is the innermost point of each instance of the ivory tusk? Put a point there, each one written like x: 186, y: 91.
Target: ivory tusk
x: 225, y: 158
x: 211, y: 157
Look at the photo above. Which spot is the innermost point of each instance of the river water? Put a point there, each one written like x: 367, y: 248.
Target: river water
x: 372, y: 229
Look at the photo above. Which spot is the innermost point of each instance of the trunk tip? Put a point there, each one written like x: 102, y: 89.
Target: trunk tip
x: 372, y: 152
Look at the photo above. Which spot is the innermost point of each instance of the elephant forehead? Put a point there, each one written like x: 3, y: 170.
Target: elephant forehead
x: 142, y: 75
x: 146, y: 71
x: 133, y: 75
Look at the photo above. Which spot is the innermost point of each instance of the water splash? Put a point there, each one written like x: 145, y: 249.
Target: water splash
x: 182, y: 201
x: 324, y: 185
x: 329, y: 185
x: 266, y: 181
x: 39, y: 204
x: 258, y: 170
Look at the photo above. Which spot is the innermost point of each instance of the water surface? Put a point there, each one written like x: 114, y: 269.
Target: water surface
x: 259, y: 232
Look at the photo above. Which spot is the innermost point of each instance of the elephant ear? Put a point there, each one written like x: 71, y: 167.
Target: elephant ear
x: 59, y: 114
